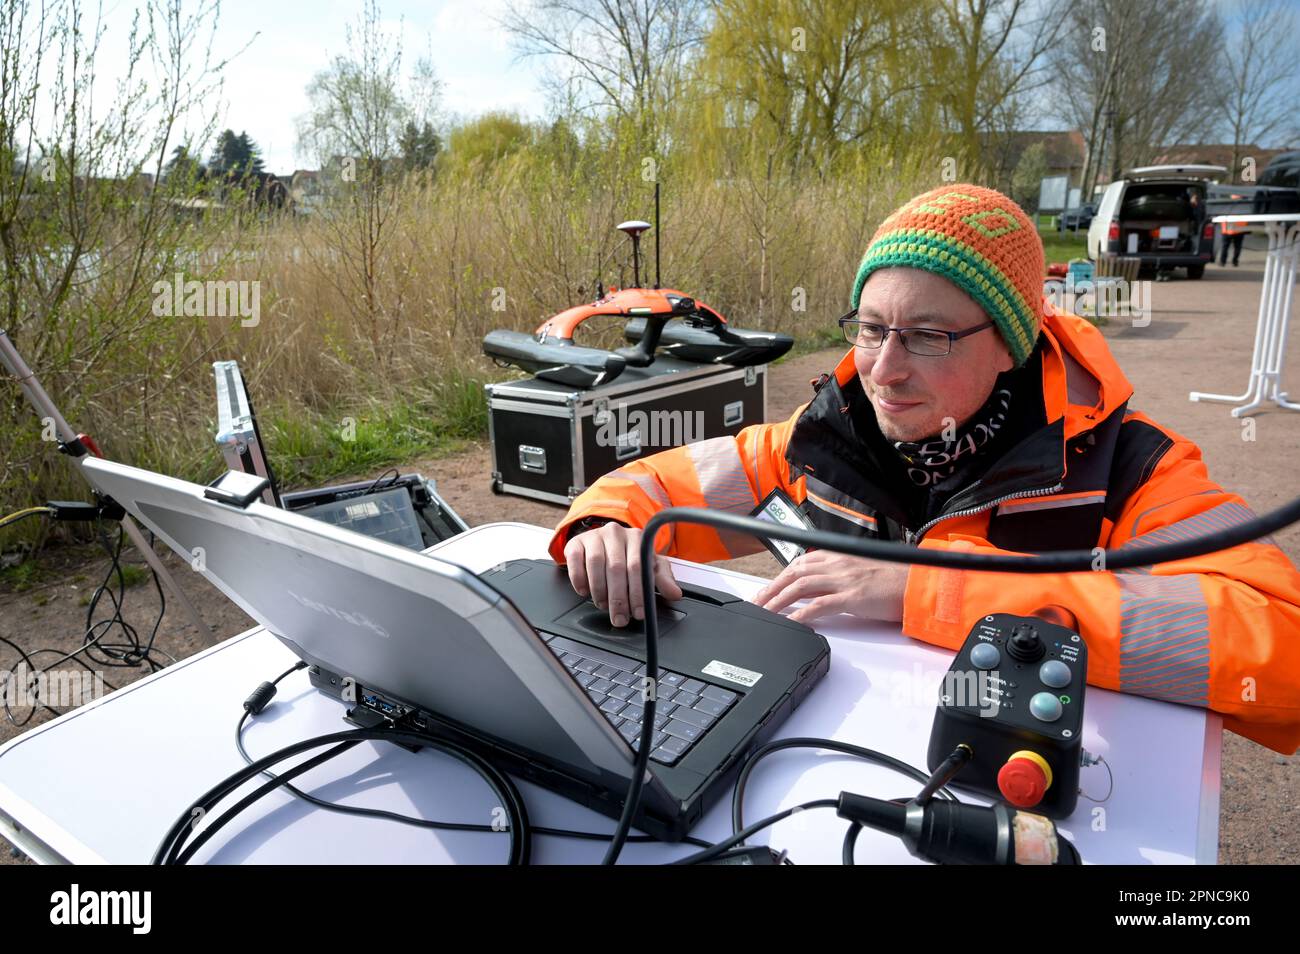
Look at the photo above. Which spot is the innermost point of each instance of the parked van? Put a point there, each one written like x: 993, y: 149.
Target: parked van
x: 1158, y: 215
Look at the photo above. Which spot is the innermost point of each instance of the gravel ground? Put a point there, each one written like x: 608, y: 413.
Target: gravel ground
x: 1200, y: 336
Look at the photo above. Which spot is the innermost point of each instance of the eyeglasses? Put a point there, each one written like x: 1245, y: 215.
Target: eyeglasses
x: 930, y: 342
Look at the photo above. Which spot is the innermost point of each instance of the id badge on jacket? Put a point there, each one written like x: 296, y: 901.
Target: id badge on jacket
x: 777, y: 507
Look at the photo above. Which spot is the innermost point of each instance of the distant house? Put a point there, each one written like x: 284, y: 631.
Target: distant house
x: 306, y: 191
x: 1064, y: 150
x: 194, y: 207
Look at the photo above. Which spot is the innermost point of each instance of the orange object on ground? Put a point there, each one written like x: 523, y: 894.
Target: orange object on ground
x: 626, y: 302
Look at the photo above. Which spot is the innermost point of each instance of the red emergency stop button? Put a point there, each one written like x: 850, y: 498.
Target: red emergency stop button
x: 1024, y: 779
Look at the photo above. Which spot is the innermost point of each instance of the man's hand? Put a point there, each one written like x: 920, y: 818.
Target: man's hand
x: 605, y: 564
x: 837, y: 583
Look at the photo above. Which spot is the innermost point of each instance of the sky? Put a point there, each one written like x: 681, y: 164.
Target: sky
x: 288, y: 41
x: 278, y: 45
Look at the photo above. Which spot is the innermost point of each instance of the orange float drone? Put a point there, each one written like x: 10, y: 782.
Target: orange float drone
x: 658, y: 319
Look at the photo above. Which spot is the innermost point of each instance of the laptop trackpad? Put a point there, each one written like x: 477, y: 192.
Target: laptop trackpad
x: 586, y: 618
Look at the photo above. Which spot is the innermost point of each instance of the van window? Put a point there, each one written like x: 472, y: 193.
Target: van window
x: 1161, y: 201
x: 1285, y: 176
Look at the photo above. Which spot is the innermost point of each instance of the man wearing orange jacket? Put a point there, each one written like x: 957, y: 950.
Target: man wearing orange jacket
x: 971, y: 416
x: 1234, y: 234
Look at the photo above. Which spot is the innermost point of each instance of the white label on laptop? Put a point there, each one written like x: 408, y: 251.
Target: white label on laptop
x: 742, y: 677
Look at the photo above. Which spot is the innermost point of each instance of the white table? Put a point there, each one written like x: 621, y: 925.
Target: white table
x: 103, y: 783
x: 1274, y: 315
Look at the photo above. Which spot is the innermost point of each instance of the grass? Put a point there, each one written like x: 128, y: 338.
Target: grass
x: 132, y: 575
x: 1063, y: 246
x: 312, y: 449
x: 24, y: 576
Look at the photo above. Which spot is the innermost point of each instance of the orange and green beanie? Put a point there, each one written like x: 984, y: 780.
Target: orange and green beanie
x: 979, y: 240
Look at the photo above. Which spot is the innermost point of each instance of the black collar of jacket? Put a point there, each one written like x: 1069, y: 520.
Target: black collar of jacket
x: 837, y: 440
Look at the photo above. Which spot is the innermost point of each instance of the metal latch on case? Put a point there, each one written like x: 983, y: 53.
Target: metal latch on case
x: 532, y: 459
x: 628, y: 445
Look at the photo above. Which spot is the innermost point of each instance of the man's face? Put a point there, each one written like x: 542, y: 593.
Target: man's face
x: 916, y: 396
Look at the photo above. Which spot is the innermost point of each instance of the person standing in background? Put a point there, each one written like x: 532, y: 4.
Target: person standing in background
x: 1234, y: 233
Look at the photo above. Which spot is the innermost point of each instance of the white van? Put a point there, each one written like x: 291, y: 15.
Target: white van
x: 1157, y: 214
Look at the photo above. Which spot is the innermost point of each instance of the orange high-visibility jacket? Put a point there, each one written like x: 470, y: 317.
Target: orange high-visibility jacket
x: 1220, y: 631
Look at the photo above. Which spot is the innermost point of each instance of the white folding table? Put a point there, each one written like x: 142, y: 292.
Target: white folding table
x: 1274, y: 315
x: 105, y: 781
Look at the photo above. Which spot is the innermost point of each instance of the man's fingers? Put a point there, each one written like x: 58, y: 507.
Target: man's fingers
x: 802, y: 588
x: 816, y: 609
x: 783, y: 580
x: 664, y: 581
x: 615, y: 573
x: 595, y: 565
x: 575, y: 561
x: 605, y: 564
x: 779, y: 582
x: 635, y: 593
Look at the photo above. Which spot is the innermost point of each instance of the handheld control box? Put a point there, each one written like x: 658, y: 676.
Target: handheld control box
x: 1014, y: 694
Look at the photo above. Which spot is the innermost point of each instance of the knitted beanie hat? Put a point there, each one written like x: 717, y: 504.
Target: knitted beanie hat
x: 979, y: 240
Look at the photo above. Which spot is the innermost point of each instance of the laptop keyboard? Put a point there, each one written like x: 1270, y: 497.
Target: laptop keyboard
x: 685, y: 708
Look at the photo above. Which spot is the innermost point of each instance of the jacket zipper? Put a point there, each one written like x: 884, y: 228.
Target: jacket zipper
x: 1042, y: 491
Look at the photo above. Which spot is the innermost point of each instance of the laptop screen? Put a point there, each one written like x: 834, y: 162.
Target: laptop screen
x: 414, y: 626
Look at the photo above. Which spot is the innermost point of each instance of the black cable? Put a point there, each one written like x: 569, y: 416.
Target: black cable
x: 120, y: 655
x: 397, y: 475
x: 9, y: 675
x: 183, y: 857
x: 1061, y: 561
x: 133, y: 653
x: 650, y: 682
x: 410, y: 819
x: 726, y: 845
x: 945, y: 773
x: 850, y: 843
x: 844, y: 748
x: 170, y: 851
x: 93, y: 636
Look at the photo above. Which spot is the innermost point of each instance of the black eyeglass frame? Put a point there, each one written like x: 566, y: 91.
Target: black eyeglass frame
x: 952, y: 336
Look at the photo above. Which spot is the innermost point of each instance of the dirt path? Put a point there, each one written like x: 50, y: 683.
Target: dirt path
x: 1200, y: 337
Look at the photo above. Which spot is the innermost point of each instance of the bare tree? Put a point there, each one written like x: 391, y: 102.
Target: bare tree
x: 361, y: 109
x: 987, y: 54
x: 1256, y: 97
x: 627, y: 56
x: 1138, y: 82
x: 89, y: 222
x: 82, y: 192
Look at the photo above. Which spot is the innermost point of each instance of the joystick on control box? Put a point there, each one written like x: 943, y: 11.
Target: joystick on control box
x: 1014, y: 694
